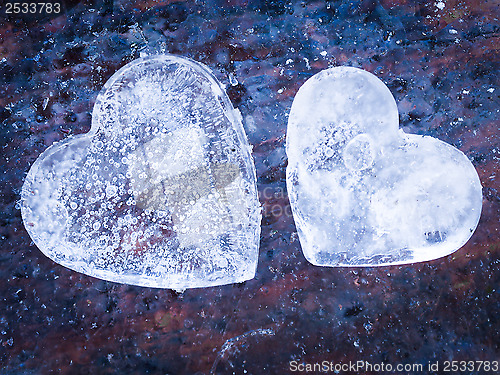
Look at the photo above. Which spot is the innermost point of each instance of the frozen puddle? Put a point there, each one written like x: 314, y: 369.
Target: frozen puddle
x: 362, y: 191
x: 161, y: 192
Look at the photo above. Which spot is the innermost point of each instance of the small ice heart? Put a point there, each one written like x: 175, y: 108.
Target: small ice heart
x: 364, y: 193
x: 161, y: 192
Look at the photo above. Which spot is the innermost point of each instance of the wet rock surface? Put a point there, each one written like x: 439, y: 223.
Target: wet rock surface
x: 440, y: 62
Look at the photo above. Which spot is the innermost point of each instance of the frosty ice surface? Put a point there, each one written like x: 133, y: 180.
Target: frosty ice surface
x: 362, y: 191
x: 161, y: 192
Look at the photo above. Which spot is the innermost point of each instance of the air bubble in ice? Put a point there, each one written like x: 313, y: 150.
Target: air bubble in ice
x: 363, y: 192
x: 151, y: 195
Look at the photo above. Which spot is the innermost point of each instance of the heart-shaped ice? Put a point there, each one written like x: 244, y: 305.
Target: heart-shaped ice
x: 364, y: 193
x: 161, y: 192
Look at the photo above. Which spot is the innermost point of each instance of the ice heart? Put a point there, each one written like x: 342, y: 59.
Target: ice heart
x: 161, y: 192
x: 364, y: 193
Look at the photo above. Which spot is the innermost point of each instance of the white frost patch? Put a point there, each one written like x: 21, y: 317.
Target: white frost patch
x: 308, y: 66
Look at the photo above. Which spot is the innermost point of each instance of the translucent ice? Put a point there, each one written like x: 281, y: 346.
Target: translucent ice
x: 161, y: 192
x: 362, y: 191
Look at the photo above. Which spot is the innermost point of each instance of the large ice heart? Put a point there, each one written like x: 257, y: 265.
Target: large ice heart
x: 364, y: 193
x: 161, y: 192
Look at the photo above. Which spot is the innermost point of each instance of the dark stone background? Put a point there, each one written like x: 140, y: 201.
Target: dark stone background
x: 440, y: 64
